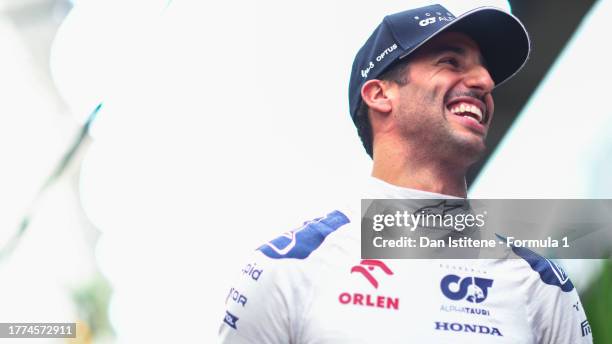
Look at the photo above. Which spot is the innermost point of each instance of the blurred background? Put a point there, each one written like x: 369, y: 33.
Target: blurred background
x: 150, y: 145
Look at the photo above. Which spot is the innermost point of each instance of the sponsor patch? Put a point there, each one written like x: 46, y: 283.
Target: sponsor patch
x: 550, y: 272
x: 300, y: 243
x: 469, y: 328
x: 472, y: 289
x: 231, y: 320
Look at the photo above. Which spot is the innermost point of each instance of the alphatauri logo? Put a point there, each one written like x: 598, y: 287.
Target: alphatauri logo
x: 432, y: 17
x: 473, y: 289
x: 427, y: 21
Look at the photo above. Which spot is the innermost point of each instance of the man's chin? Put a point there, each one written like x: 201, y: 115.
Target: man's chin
x: 472, y: 148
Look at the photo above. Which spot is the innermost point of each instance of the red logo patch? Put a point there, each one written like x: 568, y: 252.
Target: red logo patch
x: 369, y: 300
x: 371, y: 264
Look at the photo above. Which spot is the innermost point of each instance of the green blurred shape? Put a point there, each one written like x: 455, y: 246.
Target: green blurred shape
x: 92, y: 300
x: 597, y: 302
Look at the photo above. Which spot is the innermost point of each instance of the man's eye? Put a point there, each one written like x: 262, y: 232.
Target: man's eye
x: 449, y: 60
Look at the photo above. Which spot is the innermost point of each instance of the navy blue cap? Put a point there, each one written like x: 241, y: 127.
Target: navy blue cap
x: 501, y: 37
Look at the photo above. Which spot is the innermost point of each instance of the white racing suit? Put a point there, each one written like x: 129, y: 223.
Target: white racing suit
x: 310, y: 286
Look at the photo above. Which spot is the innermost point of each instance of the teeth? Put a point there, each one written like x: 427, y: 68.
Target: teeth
x: 464, y: 107
x: 470, y: 117
x: 477, y: 112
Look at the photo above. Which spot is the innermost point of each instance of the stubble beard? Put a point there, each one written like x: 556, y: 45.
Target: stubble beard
x: 429, y: 134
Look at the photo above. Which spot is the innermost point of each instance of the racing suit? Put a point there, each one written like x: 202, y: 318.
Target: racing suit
x: 311, y: 286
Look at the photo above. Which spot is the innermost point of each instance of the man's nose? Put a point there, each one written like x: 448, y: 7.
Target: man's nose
x: 478, y: 77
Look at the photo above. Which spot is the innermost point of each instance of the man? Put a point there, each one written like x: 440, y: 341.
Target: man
x: 420, y: 96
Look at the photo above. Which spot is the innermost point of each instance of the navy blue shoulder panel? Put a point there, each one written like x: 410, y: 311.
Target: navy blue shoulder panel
x: 301, y: 242
x: 550, y: 272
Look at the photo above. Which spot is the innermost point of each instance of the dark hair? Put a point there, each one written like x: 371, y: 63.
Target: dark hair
x: 396, y: 73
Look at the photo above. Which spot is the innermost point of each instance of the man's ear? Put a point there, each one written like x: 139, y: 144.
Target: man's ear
x: 375, y: 94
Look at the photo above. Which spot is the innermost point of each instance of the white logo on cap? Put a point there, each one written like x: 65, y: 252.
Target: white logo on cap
x: 364, y: 72
x: 431, y: 20
x: 427, y: 21
x: 386, y: 52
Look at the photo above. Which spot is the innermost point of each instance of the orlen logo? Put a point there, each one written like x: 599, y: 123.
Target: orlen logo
x: 371, y: 264
x: 475, y: 288
x: 369, y: 300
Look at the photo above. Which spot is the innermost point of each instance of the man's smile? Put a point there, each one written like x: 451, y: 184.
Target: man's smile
x: 469, y: 107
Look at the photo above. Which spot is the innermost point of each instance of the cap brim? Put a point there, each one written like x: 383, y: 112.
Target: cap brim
x: 501, y: 37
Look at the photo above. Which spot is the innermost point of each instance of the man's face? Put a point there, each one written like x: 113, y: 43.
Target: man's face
x: 446, y: 107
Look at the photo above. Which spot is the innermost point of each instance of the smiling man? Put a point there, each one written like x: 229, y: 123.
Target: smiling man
x: 420, y: 96
x: 443, y: 102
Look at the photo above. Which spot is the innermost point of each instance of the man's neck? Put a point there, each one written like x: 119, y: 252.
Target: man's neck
x: 421, y: 173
